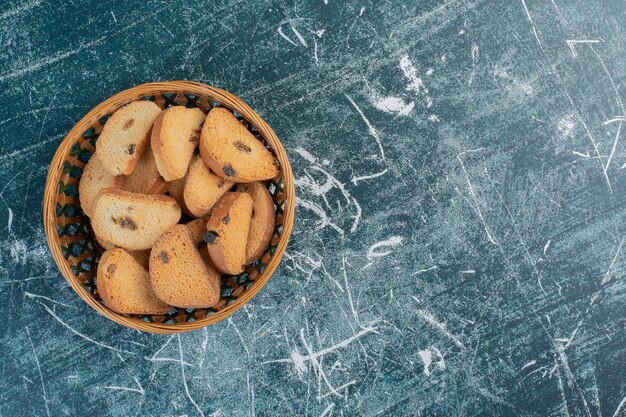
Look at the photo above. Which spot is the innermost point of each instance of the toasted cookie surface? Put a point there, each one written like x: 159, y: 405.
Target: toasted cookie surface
x: 133, y: 221
x: 145, y: 178
x: 178, y: 273
x: 94, y: 179
x: 203, y: 188
x: 124, y: 285
x: 102, y: 242
x: 263, y: 219
x: 227, y: 232
x: 125, y: 136
x: 232, y: 151
x: 176, y: 189
x: 174, y: 139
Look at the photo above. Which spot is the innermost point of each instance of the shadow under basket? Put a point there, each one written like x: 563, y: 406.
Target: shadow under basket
x: 68, y: 229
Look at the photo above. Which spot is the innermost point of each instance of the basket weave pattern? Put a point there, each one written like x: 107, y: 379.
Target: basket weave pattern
x: 69, y: 232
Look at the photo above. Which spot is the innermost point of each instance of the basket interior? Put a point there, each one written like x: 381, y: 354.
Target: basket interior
x: 81, y: 250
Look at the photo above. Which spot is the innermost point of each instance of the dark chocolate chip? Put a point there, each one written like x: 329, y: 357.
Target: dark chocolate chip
x: 128, y: 223
x: 226, y: 219
x: 209, y: 237
x: 131, y: 149
x: 163, y: 257
x: 111, y: 268
x: 229, y: 171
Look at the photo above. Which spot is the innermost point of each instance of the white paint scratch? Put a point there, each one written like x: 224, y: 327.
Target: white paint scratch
x: 182, y: 371
x: 43, y: 385
x: 546, y: 247
x: 355, y: 180
x: 614, y: 120
x: 49, y: 60
x: 532, y: 24
x: 475, y: 52
x: 324, y: 219
x: 77, y: 333
x: 619, y: 407
x: 316, y: 364
x: 531, y: 363
x: 24, y: 151
x: 355, y: 314
x: 328, y: 410
x: 595, y: 147
x: 607, y: 275
x: 19, y: 252
x: 357, y: 215
x: 306, y: 155
x: 370, y: 127
x: 440, y: 326
x: 297, y: 359
x: 19, y: 9
x: 31, y: 296
x: 373, y: 253
x: 476, y: 205
x: 281, y: 33
x: 138, y: 390
x: 10, y: 220
x: 299, y: 36
x: 608, y: 162
x: 421, y: 271
x: 337, y: 389
x: 572, y: 43
x: 155, y: 358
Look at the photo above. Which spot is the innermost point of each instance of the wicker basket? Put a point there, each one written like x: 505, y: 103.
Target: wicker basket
x: 68, y: 229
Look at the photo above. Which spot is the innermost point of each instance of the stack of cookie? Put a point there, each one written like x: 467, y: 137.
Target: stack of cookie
x: 172, y: 219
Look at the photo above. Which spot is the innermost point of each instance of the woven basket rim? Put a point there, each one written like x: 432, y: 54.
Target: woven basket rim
x: 115, y: 101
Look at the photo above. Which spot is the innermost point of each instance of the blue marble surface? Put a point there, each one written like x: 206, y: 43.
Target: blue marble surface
x: 459, y: 242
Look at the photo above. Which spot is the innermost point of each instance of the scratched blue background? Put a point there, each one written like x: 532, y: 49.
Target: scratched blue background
x: 459, y: 241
